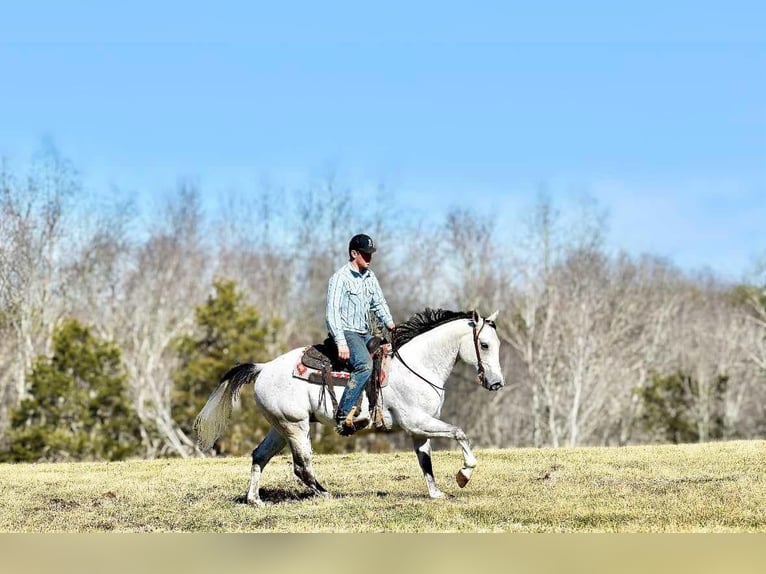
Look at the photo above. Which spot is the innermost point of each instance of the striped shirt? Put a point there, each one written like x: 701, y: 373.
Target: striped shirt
x: 350, y: 298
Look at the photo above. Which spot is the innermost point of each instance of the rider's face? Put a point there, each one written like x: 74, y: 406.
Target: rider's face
x: 362, y: 260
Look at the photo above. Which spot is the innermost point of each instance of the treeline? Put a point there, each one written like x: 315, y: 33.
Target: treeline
x: 117, y: 323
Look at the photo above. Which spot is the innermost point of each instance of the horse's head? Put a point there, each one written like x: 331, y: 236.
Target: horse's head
x: 480, y: 347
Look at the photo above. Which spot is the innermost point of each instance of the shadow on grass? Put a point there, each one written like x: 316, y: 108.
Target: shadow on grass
x: 393, y: 496
x: 285, y: 496
x: 278, y: 496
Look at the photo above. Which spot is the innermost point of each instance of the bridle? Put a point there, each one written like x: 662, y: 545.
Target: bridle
x: 481, y: 377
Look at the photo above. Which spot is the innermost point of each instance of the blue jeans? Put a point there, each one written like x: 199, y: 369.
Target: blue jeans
x: 361, y: 365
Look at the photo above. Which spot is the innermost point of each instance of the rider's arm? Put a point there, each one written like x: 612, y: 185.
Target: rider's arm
x: 335, y: 294
x: 379, y: 305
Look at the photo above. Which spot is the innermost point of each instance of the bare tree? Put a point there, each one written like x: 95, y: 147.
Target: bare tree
x: 650, y: 293
x: 752, y: 405
x: 253, y: 247
x: 171, y: 273
x: 532, y: 307
x: 33, y: 225
x: 710, y: 344
x: 755, y: 308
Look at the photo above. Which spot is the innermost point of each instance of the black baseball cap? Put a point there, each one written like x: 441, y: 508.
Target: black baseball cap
x: 362, y: 243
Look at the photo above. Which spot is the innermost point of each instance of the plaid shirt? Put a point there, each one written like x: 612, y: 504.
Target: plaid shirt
x: 350, y: 298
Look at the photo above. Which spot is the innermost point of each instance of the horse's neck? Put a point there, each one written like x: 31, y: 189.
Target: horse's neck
x: 436, y: 350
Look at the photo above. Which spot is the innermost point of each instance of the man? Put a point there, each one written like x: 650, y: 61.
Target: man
x: 353, y: 292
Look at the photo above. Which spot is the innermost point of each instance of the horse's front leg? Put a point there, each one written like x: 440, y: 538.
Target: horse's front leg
x: 423, y: 452
x: 430, y: 427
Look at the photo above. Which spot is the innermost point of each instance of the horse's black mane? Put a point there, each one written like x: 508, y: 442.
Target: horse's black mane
x: 424, y: 321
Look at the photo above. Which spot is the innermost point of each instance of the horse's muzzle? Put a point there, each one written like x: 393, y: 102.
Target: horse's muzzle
x: 496, y: 386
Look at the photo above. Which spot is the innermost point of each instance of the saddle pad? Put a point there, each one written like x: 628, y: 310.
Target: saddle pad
x: 301, y: 371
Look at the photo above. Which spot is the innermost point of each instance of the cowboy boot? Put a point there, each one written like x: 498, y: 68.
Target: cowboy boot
x: 349, y: 424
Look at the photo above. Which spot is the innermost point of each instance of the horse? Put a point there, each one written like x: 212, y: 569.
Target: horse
x: 425, y: 350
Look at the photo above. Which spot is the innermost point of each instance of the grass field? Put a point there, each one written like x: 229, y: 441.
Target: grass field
x: 715, y: 487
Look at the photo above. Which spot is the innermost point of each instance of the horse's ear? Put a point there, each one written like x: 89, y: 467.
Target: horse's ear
x: 475, y: 316
x: 492, y: 317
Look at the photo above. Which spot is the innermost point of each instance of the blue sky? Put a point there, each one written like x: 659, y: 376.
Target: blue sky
x: 658, y: 111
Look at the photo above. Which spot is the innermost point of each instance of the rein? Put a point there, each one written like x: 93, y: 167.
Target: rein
x: 411, y: 370
x: 479, y: 367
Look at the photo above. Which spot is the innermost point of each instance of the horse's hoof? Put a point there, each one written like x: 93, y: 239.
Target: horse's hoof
x: 437, y: 495
x: 463, y: 476
x: 255, y: 502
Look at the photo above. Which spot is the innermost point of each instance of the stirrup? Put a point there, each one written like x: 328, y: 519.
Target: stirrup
x: 350, y: 424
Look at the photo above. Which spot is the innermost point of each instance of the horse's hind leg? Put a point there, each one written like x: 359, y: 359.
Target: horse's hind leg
x: 270, y: 446
x: 423, y: 452
x: 300, y: 444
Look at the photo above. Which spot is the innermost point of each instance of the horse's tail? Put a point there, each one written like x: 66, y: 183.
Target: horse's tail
x: 214, y: 416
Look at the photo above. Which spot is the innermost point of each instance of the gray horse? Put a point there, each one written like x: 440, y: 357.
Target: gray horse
x: 426, y: 347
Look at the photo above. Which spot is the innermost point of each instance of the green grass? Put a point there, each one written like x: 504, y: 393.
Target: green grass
x: 716, y: 487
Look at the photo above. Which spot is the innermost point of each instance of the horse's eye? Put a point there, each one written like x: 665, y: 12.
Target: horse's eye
x: 484, y: 346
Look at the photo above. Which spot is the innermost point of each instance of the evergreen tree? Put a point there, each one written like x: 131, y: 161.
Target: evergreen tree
x: 669, y: 407
x: 78, y: 408
x: 228, y: 332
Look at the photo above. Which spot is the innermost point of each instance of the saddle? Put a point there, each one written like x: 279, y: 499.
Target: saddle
x: 325, y: 355
x: 321, y: 365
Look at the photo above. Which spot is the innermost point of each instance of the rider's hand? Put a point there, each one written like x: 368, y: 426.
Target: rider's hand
x: 343, y: 352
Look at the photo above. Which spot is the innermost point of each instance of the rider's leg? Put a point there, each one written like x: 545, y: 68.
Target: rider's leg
x: 361, y: 364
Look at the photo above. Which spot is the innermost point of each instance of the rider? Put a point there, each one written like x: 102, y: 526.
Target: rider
x: 354, y: 291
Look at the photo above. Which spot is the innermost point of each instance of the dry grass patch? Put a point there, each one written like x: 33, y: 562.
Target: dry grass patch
x: 717, y: 487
